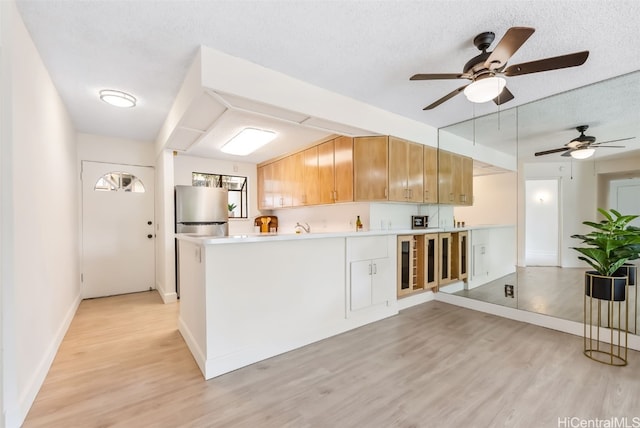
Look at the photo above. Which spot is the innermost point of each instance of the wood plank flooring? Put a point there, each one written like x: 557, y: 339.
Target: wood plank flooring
x: 124, y: 364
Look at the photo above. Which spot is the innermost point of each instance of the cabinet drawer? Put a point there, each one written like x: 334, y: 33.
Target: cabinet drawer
x: 369, y: 247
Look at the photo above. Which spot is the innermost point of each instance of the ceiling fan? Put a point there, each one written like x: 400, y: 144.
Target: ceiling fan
x: 582, y: 146
x: 486, y: 70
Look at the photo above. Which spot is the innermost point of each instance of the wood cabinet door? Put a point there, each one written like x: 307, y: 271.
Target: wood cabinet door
x: 370, y: 166
x: 398, y: 189
x: 445, y: 179
x: 430, y: 178
x: 295, y: 174
x: 431, y: 261
x: 444, y: 265
x: 326, y: 173
x: 261, y: 192
x: 311, y: 174
x: 281, y: 188
x: 405, y: 269
x: 343, y: 168
x: 467, y: 181
x: 415, y: 172
x: 266, y: 187
x: 456, y: 178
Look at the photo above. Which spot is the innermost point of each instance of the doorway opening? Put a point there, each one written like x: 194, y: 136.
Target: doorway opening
x: 542, y: 219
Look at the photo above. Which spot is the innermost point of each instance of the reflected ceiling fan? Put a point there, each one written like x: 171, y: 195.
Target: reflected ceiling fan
x: 486, y: 70
x: 583, y: 146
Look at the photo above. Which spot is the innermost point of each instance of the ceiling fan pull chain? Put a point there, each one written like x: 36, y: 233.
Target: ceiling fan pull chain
x: 572, y: 168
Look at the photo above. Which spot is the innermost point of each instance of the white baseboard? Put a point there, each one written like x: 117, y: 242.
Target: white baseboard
x: 25, y: 401
x: 416, y: 299
x: 192, y: 344
x: 166, y: 296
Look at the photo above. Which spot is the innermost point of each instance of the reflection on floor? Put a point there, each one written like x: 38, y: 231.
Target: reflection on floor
x: 553, y: 291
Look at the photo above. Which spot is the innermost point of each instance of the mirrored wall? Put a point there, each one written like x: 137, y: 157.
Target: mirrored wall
x: 527, y: 206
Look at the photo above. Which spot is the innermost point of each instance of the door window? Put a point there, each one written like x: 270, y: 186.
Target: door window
x: 119, y: 181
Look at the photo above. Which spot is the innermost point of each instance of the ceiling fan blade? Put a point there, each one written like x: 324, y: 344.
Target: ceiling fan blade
x: 507, y: 46
x: 567, y: 154
x: 504, y: 97
x: 445, y: 98
x: 611, y: 147
x: 547, y: 64
x: 548, y: 152
x: 437, y: 76
x: 612, y: 141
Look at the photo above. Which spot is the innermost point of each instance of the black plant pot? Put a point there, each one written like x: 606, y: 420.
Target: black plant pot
x: 600, y: 287
x: 630, y: 271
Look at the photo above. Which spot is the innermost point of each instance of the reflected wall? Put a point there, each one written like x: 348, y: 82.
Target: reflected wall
x: 547, y: 275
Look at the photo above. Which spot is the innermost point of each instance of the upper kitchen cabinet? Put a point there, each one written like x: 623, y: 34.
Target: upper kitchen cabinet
x: 370, y: 168
x: 445, y: 178
x: 322, y: 174
x: 311, y: 176
x: 406, y: 171
x: 295, y: 176
x: 265, y: 187
x: 280, y: 183
x: 466, y: 179
x: 335, y: 168
x: 430, y: 178
x: 455, y: 179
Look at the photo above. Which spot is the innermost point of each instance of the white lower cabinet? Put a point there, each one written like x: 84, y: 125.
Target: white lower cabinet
x: 370, y: 280
x: 368, y: 283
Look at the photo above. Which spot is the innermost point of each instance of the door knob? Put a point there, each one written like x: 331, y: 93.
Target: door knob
x: 149, y: 222
x: 149, y: 236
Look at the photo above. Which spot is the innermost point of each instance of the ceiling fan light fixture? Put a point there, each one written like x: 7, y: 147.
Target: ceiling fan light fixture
x: 582, y: 153
x: 247, y: 141
x: 117, y: 98
x: 483, y: 90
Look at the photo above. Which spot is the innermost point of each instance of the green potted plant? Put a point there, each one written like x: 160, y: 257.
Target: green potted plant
x: 610, y: 245
x: 231, y: 207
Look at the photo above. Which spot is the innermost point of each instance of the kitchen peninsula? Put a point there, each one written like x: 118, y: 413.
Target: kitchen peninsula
x: 247, y: 298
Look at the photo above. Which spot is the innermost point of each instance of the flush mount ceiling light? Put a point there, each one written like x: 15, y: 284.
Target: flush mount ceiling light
x: 582, y: 153
x: 247, y: 141
x: 483, y: 90
x: 117, y: 98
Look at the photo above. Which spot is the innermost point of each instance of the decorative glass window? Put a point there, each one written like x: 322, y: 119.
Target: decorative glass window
x: 236, y: 185
x: 119, y: 181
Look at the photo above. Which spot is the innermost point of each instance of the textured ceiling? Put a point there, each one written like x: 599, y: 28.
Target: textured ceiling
x: 366, y: 50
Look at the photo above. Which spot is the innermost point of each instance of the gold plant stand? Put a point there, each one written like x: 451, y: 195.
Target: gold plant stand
x: 598, y: 299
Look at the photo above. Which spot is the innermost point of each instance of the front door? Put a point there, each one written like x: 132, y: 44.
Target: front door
x: 117, y: 229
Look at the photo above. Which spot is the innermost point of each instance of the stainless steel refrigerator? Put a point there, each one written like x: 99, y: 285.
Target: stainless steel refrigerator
x: 201, y: 211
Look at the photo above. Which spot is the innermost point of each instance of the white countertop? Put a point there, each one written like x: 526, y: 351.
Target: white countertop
x: 267, y: 237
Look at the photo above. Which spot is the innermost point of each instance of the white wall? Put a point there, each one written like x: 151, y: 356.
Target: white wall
x: 6, y: 215
x: 43, y: 290
x: 494, y: 201
x: 165, y: 243
x: 115, y: 150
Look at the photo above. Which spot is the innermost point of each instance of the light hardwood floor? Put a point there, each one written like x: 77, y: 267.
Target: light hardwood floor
x: 124, y: 364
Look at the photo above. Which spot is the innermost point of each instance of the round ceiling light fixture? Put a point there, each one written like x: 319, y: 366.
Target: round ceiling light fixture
x: 117, y: 98
x: 582, y: 153
x: 485, y: 89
